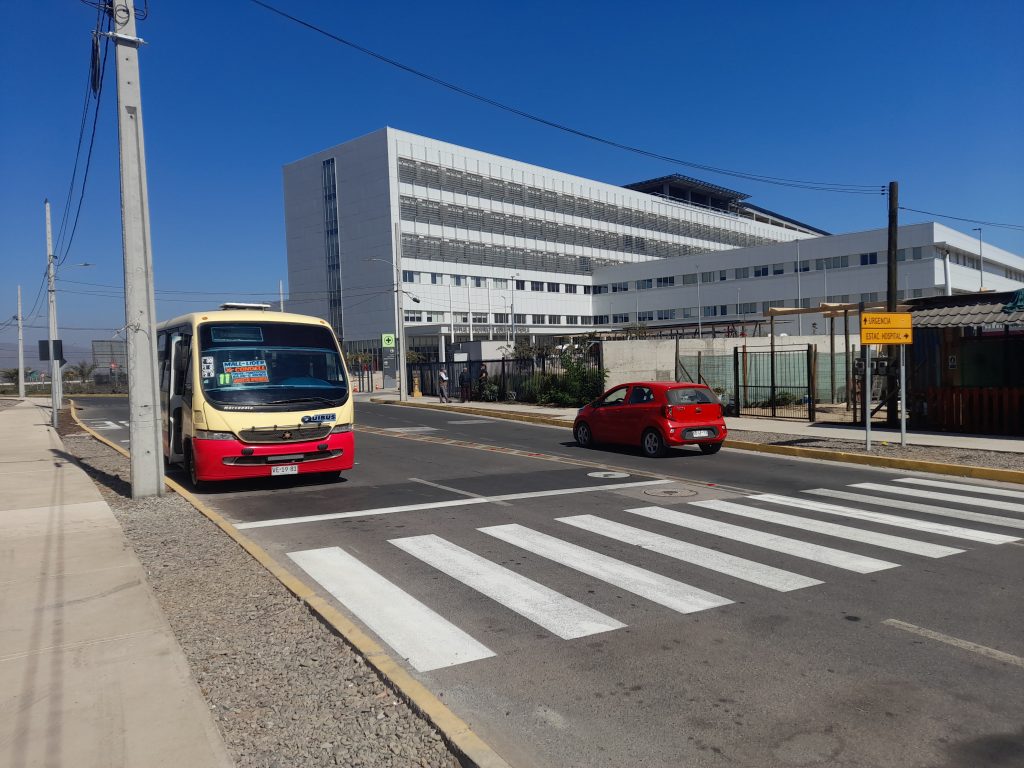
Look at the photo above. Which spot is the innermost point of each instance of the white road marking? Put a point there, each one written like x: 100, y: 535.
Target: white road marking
x: 647, y: 584
x: 458, y: 491
x: 929, y: 509
x: 445, y: 504
x: 962, y: 487
x: 410, y: 429
x: 608, y: 475
x: 555, y: 612
x: 942, y: 529
x: 954, y: 497
x: 740, y: 568
x: 471, y: 421
x: 898, y: 543
x: 101, y: 425
x: 427, y: 640
x: 956, y: 642
x: 837, y: 558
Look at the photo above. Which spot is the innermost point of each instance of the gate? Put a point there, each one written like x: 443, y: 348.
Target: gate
x: 776, y: 383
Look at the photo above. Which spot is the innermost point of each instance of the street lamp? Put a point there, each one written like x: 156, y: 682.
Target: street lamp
x: 700, y: 327
x: 981, y: 259
x: 513, y: 318
x: 399, y: 320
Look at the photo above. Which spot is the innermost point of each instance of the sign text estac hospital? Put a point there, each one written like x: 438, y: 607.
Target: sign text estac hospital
x: 886, y: 328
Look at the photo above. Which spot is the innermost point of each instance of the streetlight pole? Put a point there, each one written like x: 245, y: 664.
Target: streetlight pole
x: 56, y: 395
x: 799, y: 293
x: 513, y: 318
x: 700, y: 327
x: 21, y: 350
x: 981, y: 259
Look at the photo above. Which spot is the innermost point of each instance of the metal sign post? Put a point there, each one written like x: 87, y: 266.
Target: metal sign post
x: 867, y: 397
x: 903, y: 396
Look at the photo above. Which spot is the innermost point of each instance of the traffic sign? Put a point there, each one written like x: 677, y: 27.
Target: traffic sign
x: 886, y: 336
x: 885, y: 320
x: 387, y: 340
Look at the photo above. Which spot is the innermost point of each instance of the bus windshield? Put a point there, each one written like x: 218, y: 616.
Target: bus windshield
x: 271, y: 364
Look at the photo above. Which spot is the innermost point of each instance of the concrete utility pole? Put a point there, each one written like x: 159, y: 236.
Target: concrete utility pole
x: 21, y: 349
x: 56, y: 395
x: 280, y: 294
x: 892, y: 380
x: 147, y: 475
x: 400, y: 357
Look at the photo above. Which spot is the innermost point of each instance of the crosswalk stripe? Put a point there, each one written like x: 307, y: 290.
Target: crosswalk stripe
x: 928, y: 509
x: 898, y: 543
x: 428, y: 641
x: 837, y: 558
x: 920, y: 493
x: 941, y: 529
x: 747, y: 570
x: 555, y: 612
x: 1013, y: 494
x: 647, y: 584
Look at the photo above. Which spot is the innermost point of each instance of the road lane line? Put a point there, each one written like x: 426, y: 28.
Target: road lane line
x: 961, y: 487
x: 560, y: 615
x: 898, y: 543
x: 928, y: 509
x: 444, y: 504
x: 738, y: 567
x: 421, y: 636
x: 647, y: 584
x: 472, y: 421
x: 941, y: 529
x: 966, y: 645
x: 954, y: 497
x: 458, y: 491
x: 410, y: 429
x: 837, y: 558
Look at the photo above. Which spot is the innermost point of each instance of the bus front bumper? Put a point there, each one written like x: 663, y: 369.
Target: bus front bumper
x: 233, y: 459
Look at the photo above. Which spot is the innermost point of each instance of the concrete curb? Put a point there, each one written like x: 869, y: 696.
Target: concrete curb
x: 469, y: 747
x: 934, y: 467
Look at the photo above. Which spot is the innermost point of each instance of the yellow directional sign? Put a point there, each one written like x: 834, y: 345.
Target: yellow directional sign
x: 884, y: 320
x: 886, y: 336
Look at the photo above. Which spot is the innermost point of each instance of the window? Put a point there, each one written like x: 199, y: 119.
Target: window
x: 615, y: 397
x: 536, y: 285
x: 459, y: 280
x: 742, y: 273
x: 917, y: 253
x: 766, y: 305
x: 554, y: 287
x: 436, y: 279
x: 690, y: 279
x: 803, y: 265
x: 901, y: 254
x: 479, y: 282
x: 640, y: 395
x: 460, y: 317
x: 709, y: 310
x: 600, y: 319
x: 586, y: 319
x: 621, y: 318
x: 520, y: 319
x: 501, y: 318
x: 539, y: 320
x: 620, y: 287
x: 554, y: 319
x: 761, y: 271
x: 689, y: 396
x: 666, y: 314
x: 873, y: 296
x: 588, y: 289
x: 520, y: 285
x: 572, y: 320
x: 833, y: 262
x: 707, y: 277
x: 689, y: 312
x: 778, y: 269
x: 666, y: 282
x: 645, y: 316
x: 412, y: 316
x: 600, y: 289
x: 571, y: 288
x: 434, y: 317
x: 746, y: 308
x: 408, y: 276
x: 722, y: 274
x: 499, y: 282
x: 479, y: 318
x: 644, y: 285
x: 868, y: 258
x: 917, y: 293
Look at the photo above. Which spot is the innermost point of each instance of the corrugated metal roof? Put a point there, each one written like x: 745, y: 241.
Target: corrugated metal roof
x: 968, y: 310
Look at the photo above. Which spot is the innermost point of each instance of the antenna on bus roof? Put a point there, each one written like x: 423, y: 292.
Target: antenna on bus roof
x: 241, y: 305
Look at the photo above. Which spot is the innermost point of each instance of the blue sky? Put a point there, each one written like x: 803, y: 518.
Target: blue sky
x: 926, y: 93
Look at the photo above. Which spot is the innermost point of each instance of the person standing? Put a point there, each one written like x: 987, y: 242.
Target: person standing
x: 482, y: 381
x: 464, y: 385
x: 442, y: 386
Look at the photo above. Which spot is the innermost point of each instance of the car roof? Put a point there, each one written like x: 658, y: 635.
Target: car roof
x: 663, y: 385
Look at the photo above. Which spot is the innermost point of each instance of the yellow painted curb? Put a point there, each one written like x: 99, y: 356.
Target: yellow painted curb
x: 917, y: 465
x: 455, y: 731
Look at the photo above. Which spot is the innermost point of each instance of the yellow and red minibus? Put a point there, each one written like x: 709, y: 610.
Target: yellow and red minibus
x: 247, y: 392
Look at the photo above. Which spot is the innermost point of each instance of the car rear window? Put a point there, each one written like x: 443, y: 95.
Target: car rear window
x: 689, y: 396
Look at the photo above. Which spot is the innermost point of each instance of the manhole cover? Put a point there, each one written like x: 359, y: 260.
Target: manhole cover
x: 670, y: 492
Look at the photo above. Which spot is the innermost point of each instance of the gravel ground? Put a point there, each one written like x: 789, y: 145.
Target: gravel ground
x: 961, y: 456
x: 285, y: 691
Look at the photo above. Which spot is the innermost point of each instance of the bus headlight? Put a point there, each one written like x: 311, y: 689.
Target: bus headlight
x: 202, y: 434
x: 341, y: 428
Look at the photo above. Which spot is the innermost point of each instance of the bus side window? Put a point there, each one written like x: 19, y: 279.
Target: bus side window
x: 186, y: 377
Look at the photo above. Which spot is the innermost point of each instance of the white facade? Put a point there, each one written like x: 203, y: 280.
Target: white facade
x: 564, y: 254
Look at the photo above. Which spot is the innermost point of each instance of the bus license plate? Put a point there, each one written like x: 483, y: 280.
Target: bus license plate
x: 285, y: 469
x: 701, y: 433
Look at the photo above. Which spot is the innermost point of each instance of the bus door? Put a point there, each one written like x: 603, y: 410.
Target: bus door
x: 176, y: 404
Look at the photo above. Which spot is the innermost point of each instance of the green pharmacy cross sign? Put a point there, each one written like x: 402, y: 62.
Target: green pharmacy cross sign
x: 387, y: 340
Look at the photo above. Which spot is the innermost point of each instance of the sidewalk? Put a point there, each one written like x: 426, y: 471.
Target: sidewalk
x: 748, y: 424
x: 90, y: 673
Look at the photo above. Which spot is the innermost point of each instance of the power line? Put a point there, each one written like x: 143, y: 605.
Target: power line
x: 821, y: 186
x: 1018, y: 227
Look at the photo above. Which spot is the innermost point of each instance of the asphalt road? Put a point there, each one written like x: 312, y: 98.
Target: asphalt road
x: 588, y: 608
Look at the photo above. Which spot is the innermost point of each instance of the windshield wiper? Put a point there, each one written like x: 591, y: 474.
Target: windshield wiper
x: 310, y: 399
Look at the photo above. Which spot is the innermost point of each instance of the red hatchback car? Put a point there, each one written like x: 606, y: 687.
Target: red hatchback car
x: 654, y: 415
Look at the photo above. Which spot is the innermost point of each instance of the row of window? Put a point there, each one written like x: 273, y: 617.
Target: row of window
x: 499, y: 318
x: 476, y: 185
x: 502, y: 256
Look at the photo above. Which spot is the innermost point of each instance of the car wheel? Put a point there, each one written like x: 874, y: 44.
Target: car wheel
x: 652, y: 444
x: 709, y: 448
x: 190, y: 467
x: 583, y: 435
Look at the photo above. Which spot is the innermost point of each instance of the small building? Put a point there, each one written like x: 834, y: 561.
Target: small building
x: 110, y: 356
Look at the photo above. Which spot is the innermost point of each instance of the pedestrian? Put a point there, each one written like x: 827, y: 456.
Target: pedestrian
x: 442, y: 386
x: 482, y: 382
x: 464, y: 385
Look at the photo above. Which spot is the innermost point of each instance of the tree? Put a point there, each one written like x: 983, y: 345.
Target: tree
x: 635, y: 331
x: 9, y: 374
x: 82, y: 371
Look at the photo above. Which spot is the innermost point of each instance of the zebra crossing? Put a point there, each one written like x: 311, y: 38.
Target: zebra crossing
x: 427, y: 640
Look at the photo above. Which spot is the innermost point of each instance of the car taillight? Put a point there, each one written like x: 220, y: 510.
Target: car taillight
x: 669, y: 413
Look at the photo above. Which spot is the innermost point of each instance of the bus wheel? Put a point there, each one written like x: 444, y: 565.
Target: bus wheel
x: 190, y: 467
